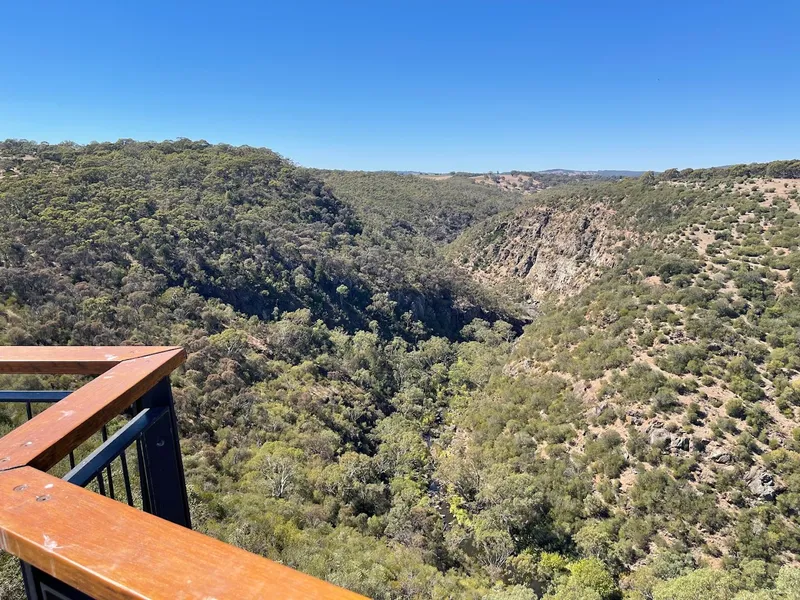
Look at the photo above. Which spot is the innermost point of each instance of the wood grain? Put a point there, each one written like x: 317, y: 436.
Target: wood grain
x: 53, y: 433
x: 73, y: 360
x: 113, y: 552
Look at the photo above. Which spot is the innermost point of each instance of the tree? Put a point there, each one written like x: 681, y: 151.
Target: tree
x: 279, y: 465
x: 588, y: 578
x: 709, y: 584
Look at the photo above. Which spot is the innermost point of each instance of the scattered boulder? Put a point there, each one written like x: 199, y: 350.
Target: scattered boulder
x: 761, y: 483
x: 721, y: 457
x: 660, y: 438
x: 681, y: 442
x: 635, y: 417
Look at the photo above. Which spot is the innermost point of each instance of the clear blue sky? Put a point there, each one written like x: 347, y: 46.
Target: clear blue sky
x: 433, y: 86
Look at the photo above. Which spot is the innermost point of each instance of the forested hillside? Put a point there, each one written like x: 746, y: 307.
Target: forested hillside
x: 438, y: 209
x: 360, y: 401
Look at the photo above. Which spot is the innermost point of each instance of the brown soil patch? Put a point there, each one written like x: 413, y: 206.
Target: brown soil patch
x: 703, y: 239
x: 772, y: 189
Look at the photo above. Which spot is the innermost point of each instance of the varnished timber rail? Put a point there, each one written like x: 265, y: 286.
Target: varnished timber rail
x: 46, y: 439
x: 102, y: 548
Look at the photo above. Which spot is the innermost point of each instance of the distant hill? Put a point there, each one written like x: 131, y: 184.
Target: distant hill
x: 612, y: 174
x: 438, y: 207
x: 601, y: 173
x: 520, y: 182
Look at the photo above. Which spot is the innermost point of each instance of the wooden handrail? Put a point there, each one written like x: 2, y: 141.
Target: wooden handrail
x: 111, y: 551
x: 52, y: 434
x: 98, y: 545
x: 71, y: 360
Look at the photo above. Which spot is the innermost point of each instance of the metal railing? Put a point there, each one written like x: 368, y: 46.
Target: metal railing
x: 152, y: 429
x: 113, y: 553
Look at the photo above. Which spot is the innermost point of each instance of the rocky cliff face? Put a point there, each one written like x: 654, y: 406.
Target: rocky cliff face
x: 546, y: 249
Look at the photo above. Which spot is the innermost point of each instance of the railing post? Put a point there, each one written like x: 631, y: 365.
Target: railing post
x: 41, y: 586
x: 160, y: 463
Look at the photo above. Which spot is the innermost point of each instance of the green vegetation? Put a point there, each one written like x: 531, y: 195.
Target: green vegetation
x: 437, y: 209
x: 357, y: 406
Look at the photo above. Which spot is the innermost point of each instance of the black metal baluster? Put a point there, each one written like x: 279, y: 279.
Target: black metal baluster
x: 143, y: 477
x: 108, y: 468
x: 29, y: 410
x: 126, y: 478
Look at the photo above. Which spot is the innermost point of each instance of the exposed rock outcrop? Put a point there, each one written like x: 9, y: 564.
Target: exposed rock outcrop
x: 548, y: 250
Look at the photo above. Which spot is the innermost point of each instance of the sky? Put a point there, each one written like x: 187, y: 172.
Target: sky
x: 428, y: 86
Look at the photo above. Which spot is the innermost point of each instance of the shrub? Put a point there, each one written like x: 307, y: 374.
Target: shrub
x: 735, y: 408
